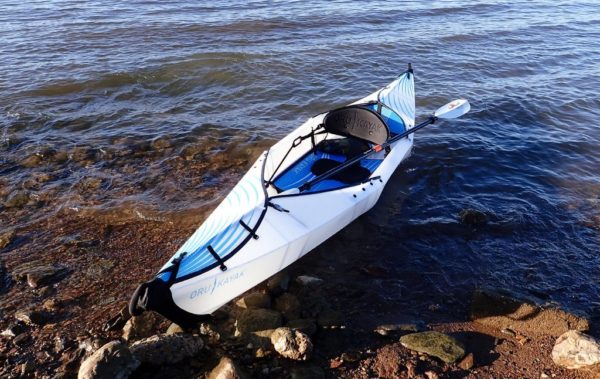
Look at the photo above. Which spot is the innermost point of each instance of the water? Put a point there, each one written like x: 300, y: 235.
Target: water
x: 144, y: 110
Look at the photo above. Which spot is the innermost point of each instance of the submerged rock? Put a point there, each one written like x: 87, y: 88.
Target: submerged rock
x: 166, y: 349
x: 292, y: 344
x: 5, y: 280
x: 40, y: 275
x: 435, y: 344
x: 575, y: 350
x: 226, y: 369
x: 278, y: 283
x: 288, y: 305
x: 17, y: 199
x: 252, y: 320
x: 501, y: 311
x: 6, y: 238
x: 472, y: 217
x: 254, y: 300
x: 308, y: 281
x: 113, y: 360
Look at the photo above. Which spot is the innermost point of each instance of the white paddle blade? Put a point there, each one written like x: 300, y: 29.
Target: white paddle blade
x: 453, y: 109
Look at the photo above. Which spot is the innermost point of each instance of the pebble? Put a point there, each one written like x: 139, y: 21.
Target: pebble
x: 30, y: 317
x: 306, y: 280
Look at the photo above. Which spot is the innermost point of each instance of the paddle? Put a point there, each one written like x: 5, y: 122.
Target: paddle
x: 453, y: 109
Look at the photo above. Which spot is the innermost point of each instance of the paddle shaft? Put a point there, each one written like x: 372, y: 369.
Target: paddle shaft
x: 358, y: 158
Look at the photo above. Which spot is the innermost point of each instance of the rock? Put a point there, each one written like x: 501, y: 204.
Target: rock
x: 166, y: 349
x: 161, y: 143
x: 99, y: 268
x: 210, y: 332
x: 40, y: 275
x: 226, y: 369
x: 435, y: 344
x: 501, y: 311
x: 118, y: 321
x: 5, y: 280
x: 394, y: 329
x: 6, y: 238
x: 252, y: 320
x: 288, y: 305
x: 575, y: 350
x: 34, y: 160
x: 278, y: 283
x: 174, y: 329
x: 254, y: 300
x: 51, y: 305
x: 141, y: 326
x: 17, y: 199
x: 472, y: 217
x: 307, y: 372
x: 30, y: 317
x: 308, y: 281
x: 467, y: 362
x: 261, y: 339
x: 21, y: 339
x: 113, y: 360
x: 292, y: 344
x: 27, y: 368
x: 304, y: 325
x: 13, y: 330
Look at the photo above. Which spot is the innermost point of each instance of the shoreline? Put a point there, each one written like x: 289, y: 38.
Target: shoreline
x: 97, y: 267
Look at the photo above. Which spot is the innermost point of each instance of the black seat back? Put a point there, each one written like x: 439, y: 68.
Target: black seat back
x: 358, y: 122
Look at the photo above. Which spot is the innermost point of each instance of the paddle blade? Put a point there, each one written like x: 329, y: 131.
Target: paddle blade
x: 453, y: 109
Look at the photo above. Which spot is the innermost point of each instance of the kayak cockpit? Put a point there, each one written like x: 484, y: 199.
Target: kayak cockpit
x: 341, y: 135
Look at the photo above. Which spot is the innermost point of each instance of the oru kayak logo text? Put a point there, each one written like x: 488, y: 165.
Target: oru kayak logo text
x: 219, y: 281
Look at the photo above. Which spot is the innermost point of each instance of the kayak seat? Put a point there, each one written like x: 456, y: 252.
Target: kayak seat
x: 348, y: 147
x: 352, y: 174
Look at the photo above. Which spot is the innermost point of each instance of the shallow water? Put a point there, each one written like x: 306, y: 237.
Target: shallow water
x: 147, y: 110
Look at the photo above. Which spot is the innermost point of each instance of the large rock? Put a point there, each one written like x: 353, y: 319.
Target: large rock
x: 500, y: 311
x: 141, y: 326
x: 254, y: 300
x: 226, y: 369
x: 292, y: 344
x: 472, y: 217
x: 288, y: 305
x: 39, y: 275
x: 435, y: 344
x: 252, y: 320
x: 113, y: 360
x: 575, y: 350
x: 166, y: 349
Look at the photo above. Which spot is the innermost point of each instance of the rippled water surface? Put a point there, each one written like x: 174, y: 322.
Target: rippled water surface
x: 154, y: 110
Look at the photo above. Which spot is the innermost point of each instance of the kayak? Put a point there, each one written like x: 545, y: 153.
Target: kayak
x: 298, y: 193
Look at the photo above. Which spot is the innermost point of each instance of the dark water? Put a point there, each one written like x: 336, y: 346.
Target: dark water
x: 148, y: 110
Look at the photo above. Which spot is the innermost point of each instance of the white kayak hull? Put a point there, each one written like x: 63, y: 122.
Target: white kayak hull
x: 266, y: 223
